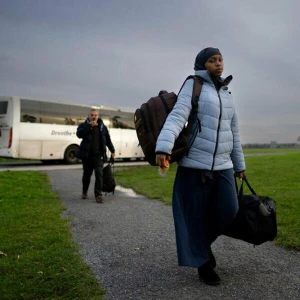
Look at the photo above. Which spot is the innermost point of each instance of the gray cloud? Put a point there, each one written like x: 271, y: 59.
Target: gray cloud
x: 123, y: 52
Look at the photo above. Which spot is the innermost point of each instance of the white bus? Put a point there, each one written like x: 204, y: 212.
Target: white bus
x: 42, y: 130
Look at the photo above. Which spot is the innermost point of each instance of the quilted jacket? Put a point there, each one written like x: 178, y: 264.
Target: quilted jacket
x: 216, y: 145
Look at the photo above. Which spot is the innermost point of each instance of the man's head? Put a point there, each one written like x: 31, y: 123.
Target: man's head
x: 210, y: 59
x: 93, y: 115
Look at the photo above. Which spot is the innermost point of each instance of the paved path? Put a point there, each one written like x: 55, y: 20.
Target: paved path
x: 129, y: 243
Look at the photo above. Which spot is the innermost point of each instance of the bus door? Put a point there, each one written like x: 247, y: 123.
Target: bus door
x: 115, y: 136
x: 122, y: 141
x: 128, y: 137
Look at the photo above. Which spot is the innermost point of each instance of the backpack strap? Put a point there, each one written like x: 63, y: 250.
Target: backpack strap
x: 197, y: 87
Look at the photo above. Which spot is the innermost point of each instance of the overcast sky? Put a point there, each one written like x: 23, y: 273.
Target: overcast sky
x: 122, y: 52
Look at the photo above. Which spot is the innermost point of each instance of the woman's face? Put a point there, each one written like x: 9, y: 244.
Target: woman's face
x: 215, y: 65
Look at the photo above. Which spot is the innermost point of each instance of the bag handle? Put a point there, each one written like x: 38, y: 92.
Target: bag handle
x: 111, y: 160
x: 249, y: 186
x: 241, y: 191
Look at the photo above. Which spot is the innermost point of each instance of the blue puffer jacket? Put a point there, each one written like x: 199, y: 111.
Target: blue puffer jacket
x: 217, y: 146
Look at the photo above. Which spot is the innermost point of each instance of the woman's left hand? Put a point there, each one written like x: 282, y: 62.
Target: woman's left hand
x: 240, y: 175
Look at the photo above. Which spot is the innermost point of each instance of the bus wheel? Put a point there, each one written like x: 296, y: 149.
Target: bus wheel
x: 70, y: 155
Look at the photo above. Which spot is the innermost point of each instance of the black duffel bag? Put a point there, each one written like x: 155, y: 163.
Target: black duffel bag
x: 109, y: 183
x: 255, y: 221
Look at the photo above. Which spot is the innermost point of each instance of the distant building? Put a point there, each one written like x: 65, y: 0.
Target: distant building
x: 273, y: 145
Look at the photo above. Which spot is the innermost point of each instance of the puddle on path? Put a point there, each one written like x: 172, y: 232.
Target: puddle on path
x: 128, y: 192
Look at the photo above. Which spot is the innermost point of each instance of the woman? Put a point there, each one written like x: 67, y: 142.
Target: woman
x: 204, y: 193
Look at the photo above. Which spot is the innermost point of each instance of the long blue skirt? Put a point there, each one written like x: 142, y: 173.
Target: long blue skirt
x: 202, y: 208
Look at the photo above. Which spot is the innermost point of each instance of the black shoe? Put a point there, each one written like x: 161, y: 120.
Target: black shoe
x: 99, y: 199
x: 212, y: 260
x: 84, y: 195
x: 208, y: 275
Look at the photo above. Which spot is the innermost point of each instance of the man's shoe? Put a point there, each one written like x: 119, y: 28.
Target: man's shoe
x: 99, y: 199
x: 208, y: 275
x: 212, y: 260
x: 84, y: 195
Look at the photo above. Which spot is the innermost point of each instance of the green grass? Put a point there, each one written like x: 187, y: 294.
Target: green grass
x: 274, y: 176
x: 38, y: 259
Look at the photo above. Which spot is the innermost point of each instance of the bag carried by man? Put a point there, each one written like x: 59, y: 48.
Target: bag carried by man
x: 151, y: 116
x: 109, y: 183
x: 255, y: 221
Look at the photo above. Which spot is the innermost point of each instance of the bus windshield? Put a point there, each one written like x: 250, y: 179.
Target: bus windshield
x: 3, y: 107
x: 3, y: 113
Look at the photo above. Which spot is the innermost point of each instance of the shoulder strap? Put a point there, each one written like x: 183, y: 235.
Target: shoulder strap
x: 197, y: 86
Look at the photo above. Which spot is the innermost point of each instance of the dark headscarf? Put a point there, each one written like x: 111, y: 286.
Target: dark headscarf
x: 203, y: 56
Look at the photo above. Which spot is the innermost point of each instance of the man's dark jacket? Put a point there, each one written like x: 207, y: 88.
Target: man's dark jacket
x: 84, y: 132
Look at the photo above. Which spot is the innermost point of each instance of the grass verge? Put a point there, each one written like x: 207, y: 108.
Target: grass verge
x: 274, y: 176
x: 38, y: 259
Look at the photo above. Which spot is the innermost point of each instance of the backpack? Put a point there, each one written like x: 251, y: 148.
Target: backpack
x: 109, y: 183
x: 151, y: 116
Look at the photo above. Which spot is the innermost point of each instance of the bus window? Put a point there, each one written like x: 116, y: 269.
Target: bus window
x: 118, y: 118
x: 30, y: 111
x: 55, y: 113
x: 69, y: 121
x: 79, y: 114
x: 106, y: 121
x: 123, y: 120
x: 27, y: 118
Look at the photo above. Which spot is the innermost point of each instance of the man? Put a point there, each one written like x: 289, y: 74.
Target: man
x: 95, y: 139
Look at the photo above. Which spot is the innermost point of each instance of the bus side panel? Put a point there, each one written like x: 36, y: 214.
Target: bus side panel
x: 4, y: 137
x: 30, y: 149
x: 43, y: 150
x: 4, y: 143
x: 115, y: 136
x: 46, y: 141
x: 126, y: 143
x: 55, y: 149
x: 52, y: 150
